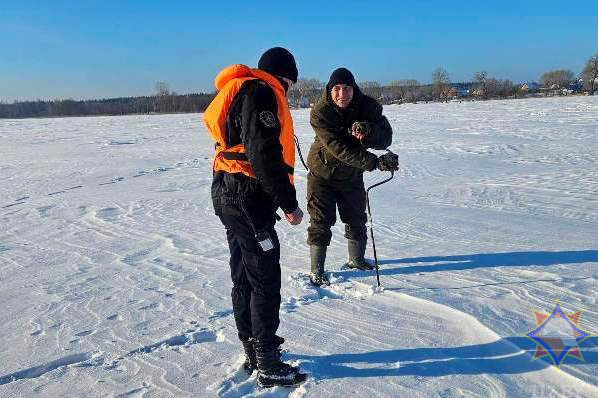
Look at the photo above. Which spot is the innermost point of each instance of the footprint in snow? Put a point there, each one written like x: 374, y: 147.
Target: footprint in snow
x: 220, y: 314
x: 84, y: 333
x: 108, y: 214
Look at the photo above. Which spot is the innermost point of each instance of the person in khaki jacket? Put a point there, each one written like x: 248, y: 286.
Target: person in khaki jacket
x: 346, y: 123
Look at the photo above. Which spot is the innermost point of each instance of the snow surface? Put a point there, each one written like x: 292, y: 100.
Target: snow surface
x: 114, y: 271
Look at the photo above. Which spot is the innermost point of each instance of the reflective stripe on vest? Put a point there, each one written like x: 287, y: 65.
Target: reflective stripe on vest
x: 241, y: 156
x: 233, y: 159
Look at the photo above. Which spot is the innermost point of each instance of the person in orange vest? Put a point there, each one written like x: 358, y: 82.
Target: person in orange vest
x: 251, y: 124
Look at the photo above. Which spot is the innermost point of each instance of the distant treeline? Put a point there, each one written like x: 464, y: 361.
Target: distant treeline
x: 307, y: 91
x: 483, y: 87
x: 163, y: 103
x: 303, y: 94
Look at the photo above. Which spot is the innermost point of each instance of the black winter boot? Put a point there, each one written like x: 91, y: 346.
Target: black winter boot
x: 356, y: 255
x: 273, y: 372
x: 317, y: 275
x: 250, y: 363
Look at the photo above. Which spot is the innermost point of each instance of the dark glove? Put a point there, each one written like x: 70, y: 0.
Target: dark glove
x: 361, y: 128
x: 388, y: 162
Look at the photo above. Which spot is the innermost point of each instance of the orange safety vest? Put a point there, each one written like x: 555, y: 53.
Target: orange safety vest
x: 229, y: 82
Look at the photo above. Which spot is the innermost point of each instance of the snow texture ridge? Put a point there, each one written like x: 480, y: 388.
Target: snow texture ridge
x: 115, y: 280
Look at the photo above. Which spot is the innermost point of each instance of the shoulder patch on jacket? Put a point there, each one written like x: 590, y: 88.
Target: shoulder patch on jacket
x: 268, y: 119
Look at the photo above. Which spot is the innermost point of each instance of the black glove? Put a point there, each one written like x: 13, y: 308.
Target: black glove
x: 388, y: 162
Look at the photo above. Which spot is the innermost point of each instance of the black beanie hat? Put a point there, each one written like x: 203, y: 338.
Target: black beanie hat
x: 341, y: 76
x: 279, y: 61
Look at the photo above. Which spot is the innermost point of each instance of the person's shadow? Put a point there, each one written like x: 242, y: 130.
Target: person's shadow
x: 480, y: 260
x: 506, y: 356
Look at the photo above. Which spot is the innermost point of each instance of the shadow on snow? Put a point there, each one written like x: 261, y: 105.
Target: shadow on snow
x: 510, y: 355
x: 506, y: 356
x: 481, y: 260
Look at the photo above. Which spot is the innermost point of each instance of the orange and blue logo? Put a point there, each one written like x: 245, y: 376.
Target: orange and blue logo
x: 557, y: 334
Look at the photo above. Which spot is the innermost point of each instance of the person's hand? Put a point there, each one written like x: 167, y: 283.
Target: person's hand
x: 295, y: 217
x: 388, y: 162
x: 360, y: 130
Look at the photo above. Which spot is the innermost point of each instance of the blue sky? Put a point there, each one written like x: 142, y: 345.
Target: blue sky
x: 99, y: 49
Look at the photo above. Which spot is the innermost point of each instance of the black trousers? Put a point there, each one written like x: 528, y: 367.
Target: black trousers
x: 323, y: 197
x: 255, y: 274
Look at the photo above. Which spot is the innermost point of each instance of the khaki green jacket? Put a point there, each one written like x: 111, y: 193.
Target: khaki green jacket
x: 335, y: 153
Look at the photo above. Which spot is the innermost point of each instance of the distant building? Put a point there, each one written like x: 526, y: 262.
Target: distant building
x: 530, y: 86
x: 576, y: 87
x: 462, y: 90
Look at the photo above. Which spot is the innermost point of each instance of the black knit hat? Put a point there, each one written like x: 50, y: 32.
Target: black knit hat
x: 341, y: 76
x: 279, y: 61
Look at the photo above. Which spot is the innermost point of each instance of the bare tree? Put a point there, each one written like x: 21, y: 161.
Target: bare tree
x: 164, y: 98
x: 509, y: 89
x: 306, y: 85
x: 480, y: 89
x: 405, y: 89
x: 371, y: 88
x: 162, y: 88
x: 304, y: 92
x: 441, y: 82
x: 480, y: 76
x: 557, y: 78
x: 590, y: 74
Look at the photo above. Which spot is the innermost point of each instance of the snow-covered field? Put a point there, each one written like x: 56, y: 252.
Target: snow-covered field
x: 114, y: 273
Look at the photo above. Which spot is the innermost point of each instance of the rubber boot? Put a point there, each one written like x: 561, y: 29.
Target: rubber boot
x: 317, y: 275
x: 356, y: 255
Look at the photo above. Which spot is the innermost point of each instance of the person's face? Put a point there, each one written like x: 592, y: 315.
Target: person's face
x: 342, y: 95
